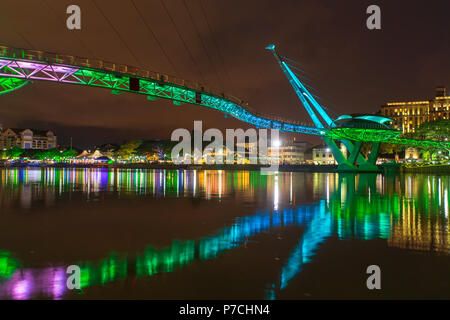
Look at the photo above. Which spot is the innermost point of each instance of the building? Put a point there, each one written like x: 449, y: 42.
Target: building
x: 322, y: 154
x: 411, y: 114
x: 290, y: 152
x: 412, y: 153
x: 26, y: 139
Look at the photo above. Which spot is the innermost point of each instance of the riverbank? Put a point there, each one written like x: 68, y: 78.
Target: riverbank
x: 439, y: 169
x: 169, y: 166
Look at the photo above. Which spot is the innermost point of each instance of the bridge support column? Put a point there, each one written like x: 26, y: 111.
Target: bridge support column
x: 374, y: 152
x: 349, y: 145
x: 371, y: 164
x: 355, y: 156
x: 343, y: 163
x: 355, y: 152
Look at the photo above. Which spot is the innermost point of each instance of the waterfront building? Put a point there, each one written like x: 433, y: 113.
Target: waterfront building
x: 289, y: 152
x: 412, y: 153
x: 27, y: 139
x: 411, y: 114
x: 322, y: 154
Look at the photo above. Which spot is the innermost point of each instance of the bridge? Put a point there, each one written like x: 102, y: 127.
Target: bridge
x: 20, y: 67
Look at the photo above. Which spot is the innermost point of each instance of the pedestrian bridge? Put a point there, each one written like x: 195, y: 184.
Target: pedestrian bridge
x: 19, y: 67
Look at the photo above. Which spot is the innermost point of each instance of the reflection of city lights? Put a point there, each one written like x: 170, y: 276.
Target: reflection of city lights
x: 350, y: 206
x: 446, y: 191
x: 276, y: 192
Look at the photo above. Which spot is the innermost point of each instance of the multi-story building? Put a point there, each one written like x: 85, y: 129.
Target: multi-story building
x: 26, y: 139
x: 322, y: 154
x: 291, y: 152
x: 411, y: 114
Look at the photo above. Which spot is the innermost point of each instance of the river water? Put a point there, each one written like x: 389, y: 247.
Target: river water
x: 180, y: 234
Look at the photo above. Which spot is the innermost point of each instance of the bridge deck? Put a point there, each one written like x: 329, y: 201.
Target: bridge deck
x: 40, y: 65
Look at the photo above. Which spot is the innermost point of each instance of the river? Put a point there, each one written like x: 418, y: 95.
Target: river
x: 213, y: 234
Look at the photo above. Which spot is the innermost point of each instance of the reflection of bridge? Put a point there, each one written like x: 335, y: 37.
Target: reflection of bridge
x: 19, y: 67
x: 359, y: 207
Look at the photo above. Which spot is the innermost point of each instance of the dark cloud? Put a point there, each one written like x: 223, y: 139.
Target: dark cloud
x: 352, y: 68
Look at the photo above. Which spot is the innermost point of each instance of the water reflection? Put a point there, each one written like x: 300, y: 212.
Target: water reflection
x: 409, y: 212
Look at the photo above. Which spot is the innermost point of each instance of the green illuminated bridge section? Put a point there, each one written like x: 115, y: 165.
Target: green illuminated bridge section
x: 19, y: 67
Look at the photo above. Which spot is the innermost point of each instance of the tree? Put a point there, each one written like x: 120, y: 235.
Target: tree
x: 156, y: 148
x: 433, y: 130
x: 129, y: 149
x: 438, y: 130
x: 14, y: 153
x: 69, y: 153
x: 391, y: 148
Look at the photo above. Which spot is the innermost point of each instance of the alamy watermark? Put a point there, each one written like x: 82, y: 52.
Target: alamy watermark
x: 74, y: 279
x: 374, y: 280
x: 241, y: 146
x: 373, y: 22
x: 73, y: 21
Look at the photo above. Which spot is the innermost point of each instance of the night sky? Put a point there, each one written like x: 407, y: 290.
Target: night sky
x: 354, y: 69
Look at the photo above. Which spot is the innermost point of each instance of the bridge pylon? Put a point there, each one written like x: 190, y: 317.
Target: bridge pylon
x: 355, y: 160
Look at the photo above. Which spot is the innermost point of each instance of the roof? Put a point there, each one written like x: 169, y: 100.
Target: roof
x: 36, y: 132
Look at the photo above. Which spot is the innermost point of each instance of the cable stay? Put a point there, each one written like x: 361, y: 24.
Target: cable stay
x: 5, y: 21
x: 216, y: 46
x: 56, y: 16
x: 150, y: 30
x: 298, y: 69
x: 117, y: 33
x: 182, y: 40
x: 197, y: 31
x: 293, y: 61
x: 301, y: 76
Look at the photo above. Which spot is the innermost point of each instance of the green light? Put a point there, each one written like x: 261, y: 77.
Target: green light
x: 378, y: 119
x: 8, y: 85
x: 366, y: 135
x: 8, y: 265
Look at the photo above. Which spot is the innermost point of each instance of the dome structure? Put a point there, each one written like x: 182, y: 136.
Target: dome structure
x: 364, y: 127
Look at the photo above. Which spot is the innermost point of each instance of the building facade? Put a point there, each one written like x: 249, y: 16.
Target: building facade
x: 411, y: 114
x: 290, y: 152
x: 27, y: 139
x: 322, y: 154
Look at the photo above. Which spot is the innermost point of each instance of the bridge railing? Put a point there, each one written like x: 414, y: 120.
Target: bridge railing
x: 54, y: 58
